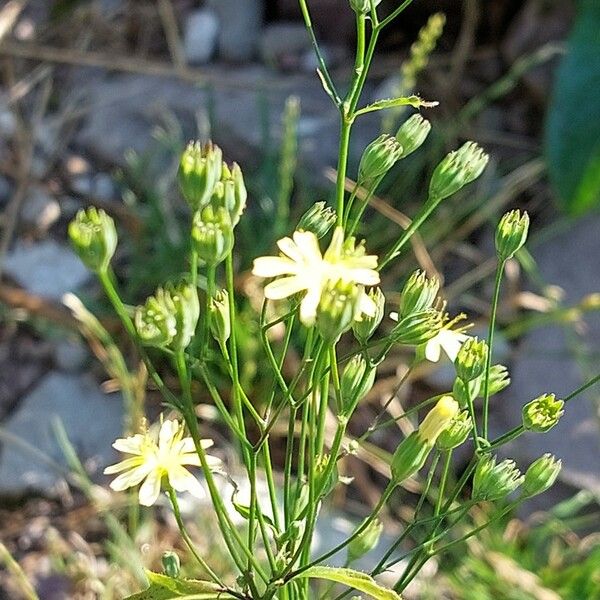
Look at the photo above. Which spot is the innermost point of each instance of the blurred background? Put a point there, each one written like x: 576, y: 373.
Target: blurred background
x: 97, y: 100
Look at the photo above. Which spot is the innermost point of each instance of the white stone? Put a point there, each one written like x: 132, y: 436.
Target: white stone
x: 200, y: 38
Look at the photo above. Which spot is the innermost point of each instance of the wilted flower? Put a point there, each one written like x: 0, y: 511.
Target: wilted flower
x: 157, y: 455
x: 307, y: 270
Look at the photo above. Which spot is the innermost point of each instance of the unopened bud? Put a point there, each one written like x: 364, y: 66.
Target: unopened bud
x: 184, y: 297
x: 363, y: 7
x: 499, y: 379
x: 220, y: 324
x: 338, y: 308
x: 93, y: 237
x: 366, y: 327
x: 171, y: 564
x: 212, y: 234
x: 155, y: 321
x: 365, y: 541
x: 511, y: 233
x: 234, y: 192
x: 412, y: 133
x: 456, y: 170
x: 318, y: 219
x: 493, y: 481
x: 379, y: 157
x: 418, y: 328
x: 541, y: 475
x: 419, y: 293
x: 438, y: 419
x: 471, y: 359
x: 542, y: 413
x: 356, y: 381
x: 200, y: 169
x: 466, y: 391
x: 456, y: 433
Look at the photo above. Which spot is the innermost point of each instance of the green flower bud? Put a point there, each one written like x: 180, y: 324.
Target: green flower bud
x: 418, y: 328
x: 356, y: 381
x: 220, y: 324
x: 466, y: 391
x: 171, y: 564
x: 365, y: 541
x: 212, y: 234
x: 499, y: 380
x: 541, y: 475
x: 542, y: 413
x: 494, y: 481
x: 366, y: 327
x: 363, y: 7
x: 187, y: 312
x: 338, y: 308
x: 155, y: 322
x: 379, y: 157
x: 471, y: 359
x: 412, y: 133
x: 234, y: 192
x: 456, y: 433
x: 93, y: 237
x: 318, y: 219
x: 418, y: 293
x: 511, y: 233
x: 326, y: 486
x: 412, y: 453
x: 200, y: 169
x: 456, y: 170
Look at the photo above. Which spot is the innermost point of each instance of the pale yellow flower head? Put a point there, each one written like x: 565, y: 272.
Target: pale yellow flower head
x: 305, y: 269
x: 438, y: 419
x: 156, y: 454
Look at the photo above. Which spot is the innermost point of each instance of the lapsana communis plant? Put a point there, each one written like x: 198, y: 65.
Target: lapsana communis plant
x: 321, y: 285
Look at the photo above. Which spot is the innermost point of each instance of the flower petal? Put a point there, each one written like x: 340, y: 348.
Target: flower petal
x: 308, y: 244
x: 290, y: 249
x: 189, y: 458
x: 309, y: 304
x: 366, y: 305
x: 130, y: 478
x: 451, y: 341
x: 273, y: 266
x: 168, y: 430
x: 183, y: 481
x: 124, y: 465
x: 363, y: 276
x: 130, y: 445
x: 433, y: 349
x: 150, y: 489
x: 287, y: 286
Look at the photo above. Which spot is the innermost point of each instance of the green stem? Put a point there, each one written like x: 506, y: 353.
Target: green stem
x: 488, y: 362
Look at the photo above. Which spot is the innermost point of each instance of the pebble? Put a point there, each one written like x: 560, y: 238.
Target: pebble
x: 201, y: 33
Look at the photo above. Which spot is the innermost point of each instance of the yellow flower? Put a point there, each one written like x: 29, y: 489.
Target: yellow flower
x: 158, y: 453
x: 307, y: 270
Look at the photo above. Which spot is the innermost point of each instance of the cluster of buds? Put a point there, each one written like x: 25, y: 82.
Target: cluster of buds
x: 542, y: 413
x: 418, y: 328
x: 217, y: 195
x: 318, y: 219
x: 357, y: 379
x: 168, y: 319
x: 511, y: 234
x: 457, y: 169
x: 412, y: 453
x: 368, y: 324
x: 493, y: 481
x: 94, y: 238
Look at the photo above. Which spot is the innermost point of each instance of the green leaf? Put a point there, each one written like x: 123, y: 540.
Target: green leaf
x: 354, y: 579
x: 414, y: 101
x: 163, y: 587
x: 573, y: 126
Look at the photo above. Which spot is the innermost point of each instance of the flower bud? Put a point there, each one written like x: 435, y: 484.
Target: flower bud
x: 511, y: 233
x: 200, y: 169
x: 379, y: 157
x: 234, y: 192
x: 338, y: 308
x: 356, y: 381
x: 456, y: 433
x: 365, y: 541
x: 542, y: 413
x: 155, y: 322
x: 171, y: 564
x: 541, y: 475
x: 418, y: 293
x: 494, y: 481
x: 326, y: 486
x: 366, y: 327
x: 220, y: 324
x: 93, y: 237
x: 318, y: 219
x: 438, y: 419
x: 466, y: 391
x: 418, y: 328
x: 471, y: 359
x: 456, y: 170
x: 499, y: 380
x: 184, y: 297
x: 412, y: 133
x: 363, y: 7
x: 212, y: 234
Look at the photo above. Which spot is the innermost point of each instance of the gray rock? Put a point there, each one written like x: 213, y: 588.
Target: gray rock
x: 40, y: 210
x: 70, y: 355
x: 5, y: 190
x: 8, y: 123
x: 200, y: 38
x: 284, y: 44
x: 46, y: 268
x: 241, y: 24
x: 31, y: 458
x: 548, y: 362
